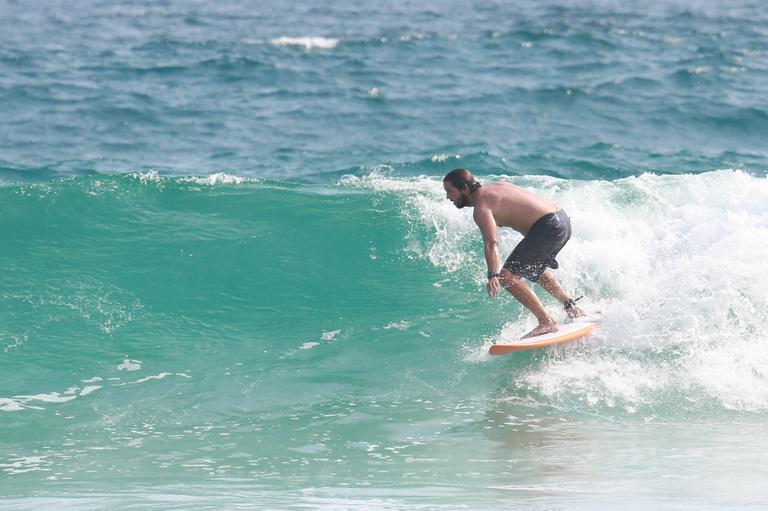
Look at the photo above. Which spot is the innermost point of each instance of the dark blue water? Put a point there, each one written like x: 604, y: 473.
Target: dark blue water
x: 578, y: 90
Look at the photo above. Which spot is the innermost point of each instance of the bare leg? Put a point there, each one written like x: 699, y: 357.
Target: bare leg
x: 551, y: 286
x: 525, y: 295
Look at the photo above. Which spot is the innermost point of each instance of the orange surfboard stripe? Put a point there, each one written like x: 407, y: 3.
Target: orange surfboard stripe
x: 500, y: 349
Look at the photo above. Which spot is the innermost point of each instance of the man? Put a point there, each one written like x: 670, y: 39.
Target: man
x: 545, y: 226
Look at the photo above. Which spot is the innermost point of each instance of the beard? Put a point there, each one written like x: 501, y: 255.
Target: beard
x: 461, y: 202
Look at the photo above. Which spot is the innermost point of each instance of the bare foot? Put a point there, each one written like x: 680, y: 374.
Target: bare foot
x: 543, y: 328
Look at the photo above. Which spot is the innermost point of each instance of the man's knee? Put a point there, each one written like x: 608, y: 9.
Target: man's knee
x: 509, y: 279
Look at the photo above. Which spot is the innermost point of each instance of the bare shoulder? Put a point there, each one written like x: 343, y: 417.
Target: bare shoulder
x: 511, y: 192
x: 482, y: 209
x: 501, y: 189
x: 496, y: 193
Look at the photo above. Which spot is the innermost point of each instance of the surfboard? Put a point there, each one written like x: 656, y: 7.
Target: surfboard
x: 567, y: 332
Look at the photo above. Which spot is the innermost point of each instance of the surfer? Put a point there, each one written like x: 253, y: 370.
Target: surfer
x: 545, y: 227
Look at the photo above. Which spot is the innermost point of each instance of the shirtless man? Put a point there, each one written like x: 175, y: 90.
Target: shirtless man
x: 545, y: 226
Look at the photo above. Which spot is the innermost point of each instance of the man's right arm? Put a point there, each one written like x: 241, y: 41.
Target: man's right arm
x: 487, y: 224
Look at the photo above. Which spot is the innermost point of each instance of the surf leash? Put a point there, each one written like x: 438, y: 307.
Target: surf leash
x: 571, y: 303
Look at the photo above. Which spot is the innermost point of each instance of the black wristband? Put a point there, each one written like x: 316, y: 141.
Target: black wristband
x: 492, y: 274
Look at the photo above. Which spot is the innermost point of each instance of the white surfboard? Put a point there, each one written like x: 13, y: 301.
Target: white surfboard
x: 566, y: 332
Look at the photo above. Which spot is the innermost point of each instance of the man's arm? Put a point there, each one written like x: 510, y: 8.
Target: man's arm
x: 487, y: 224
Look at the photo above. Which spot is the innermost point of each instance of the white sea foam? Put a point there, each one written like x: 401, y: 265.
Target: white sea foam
x: 444, y: 157
x: 24, y: 464
x: 674, y: 262
x: 380, y: 179
x: 308, y: 43
x: 154, y: 177
x: 151, y: 176
x: 10, y: 405
x: 18, y: 403
x: 397, y: 325
x: 331, y: 335
x: 216, y: 179
x: 129, y: 365
x: 88, y: 389
x: 159, y: 377
x: 153, y: 377
x: 12, y: 341
x: 51, y: 397
x: 412, y: 37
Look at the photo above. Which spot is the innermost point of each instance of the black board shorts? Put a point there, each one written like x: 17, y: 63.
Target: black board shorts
x: 537, y: 251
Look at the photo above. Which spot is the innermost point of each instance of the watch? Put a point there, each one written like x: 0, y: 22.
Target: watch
x: 492, y: 274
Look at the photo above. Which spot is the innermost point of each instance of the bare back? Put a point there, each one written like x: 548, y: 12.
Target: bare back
x: 513, y: 206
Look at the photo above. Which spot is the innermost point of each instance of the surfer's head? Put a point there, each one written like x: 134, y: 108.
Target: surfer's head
x: 459, y: 184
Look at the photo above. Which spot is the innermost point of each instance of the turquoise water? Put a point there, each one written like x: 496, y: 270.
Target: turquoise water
x: 232, y: 279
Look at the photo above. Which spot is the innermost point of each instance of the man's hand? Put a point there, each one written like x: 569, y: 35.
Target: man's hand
x: 571, y: 309
x: 493, y: 286
x: 574, y: 312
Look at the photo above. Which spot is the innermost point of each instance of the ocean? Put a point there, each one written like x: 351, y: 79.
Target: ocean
x: 232, y: 279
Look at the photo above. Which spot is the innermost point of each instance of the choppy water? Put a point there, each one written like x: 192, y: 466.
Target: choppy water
x: 232, y: 279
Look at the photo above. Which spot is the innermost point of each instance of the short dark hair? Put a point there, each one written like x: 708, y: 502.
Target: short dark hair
x: 462, y: 178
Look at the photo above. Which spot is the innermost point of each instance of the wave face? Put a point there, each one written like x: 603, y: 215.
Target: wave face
x: 222, y: 327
